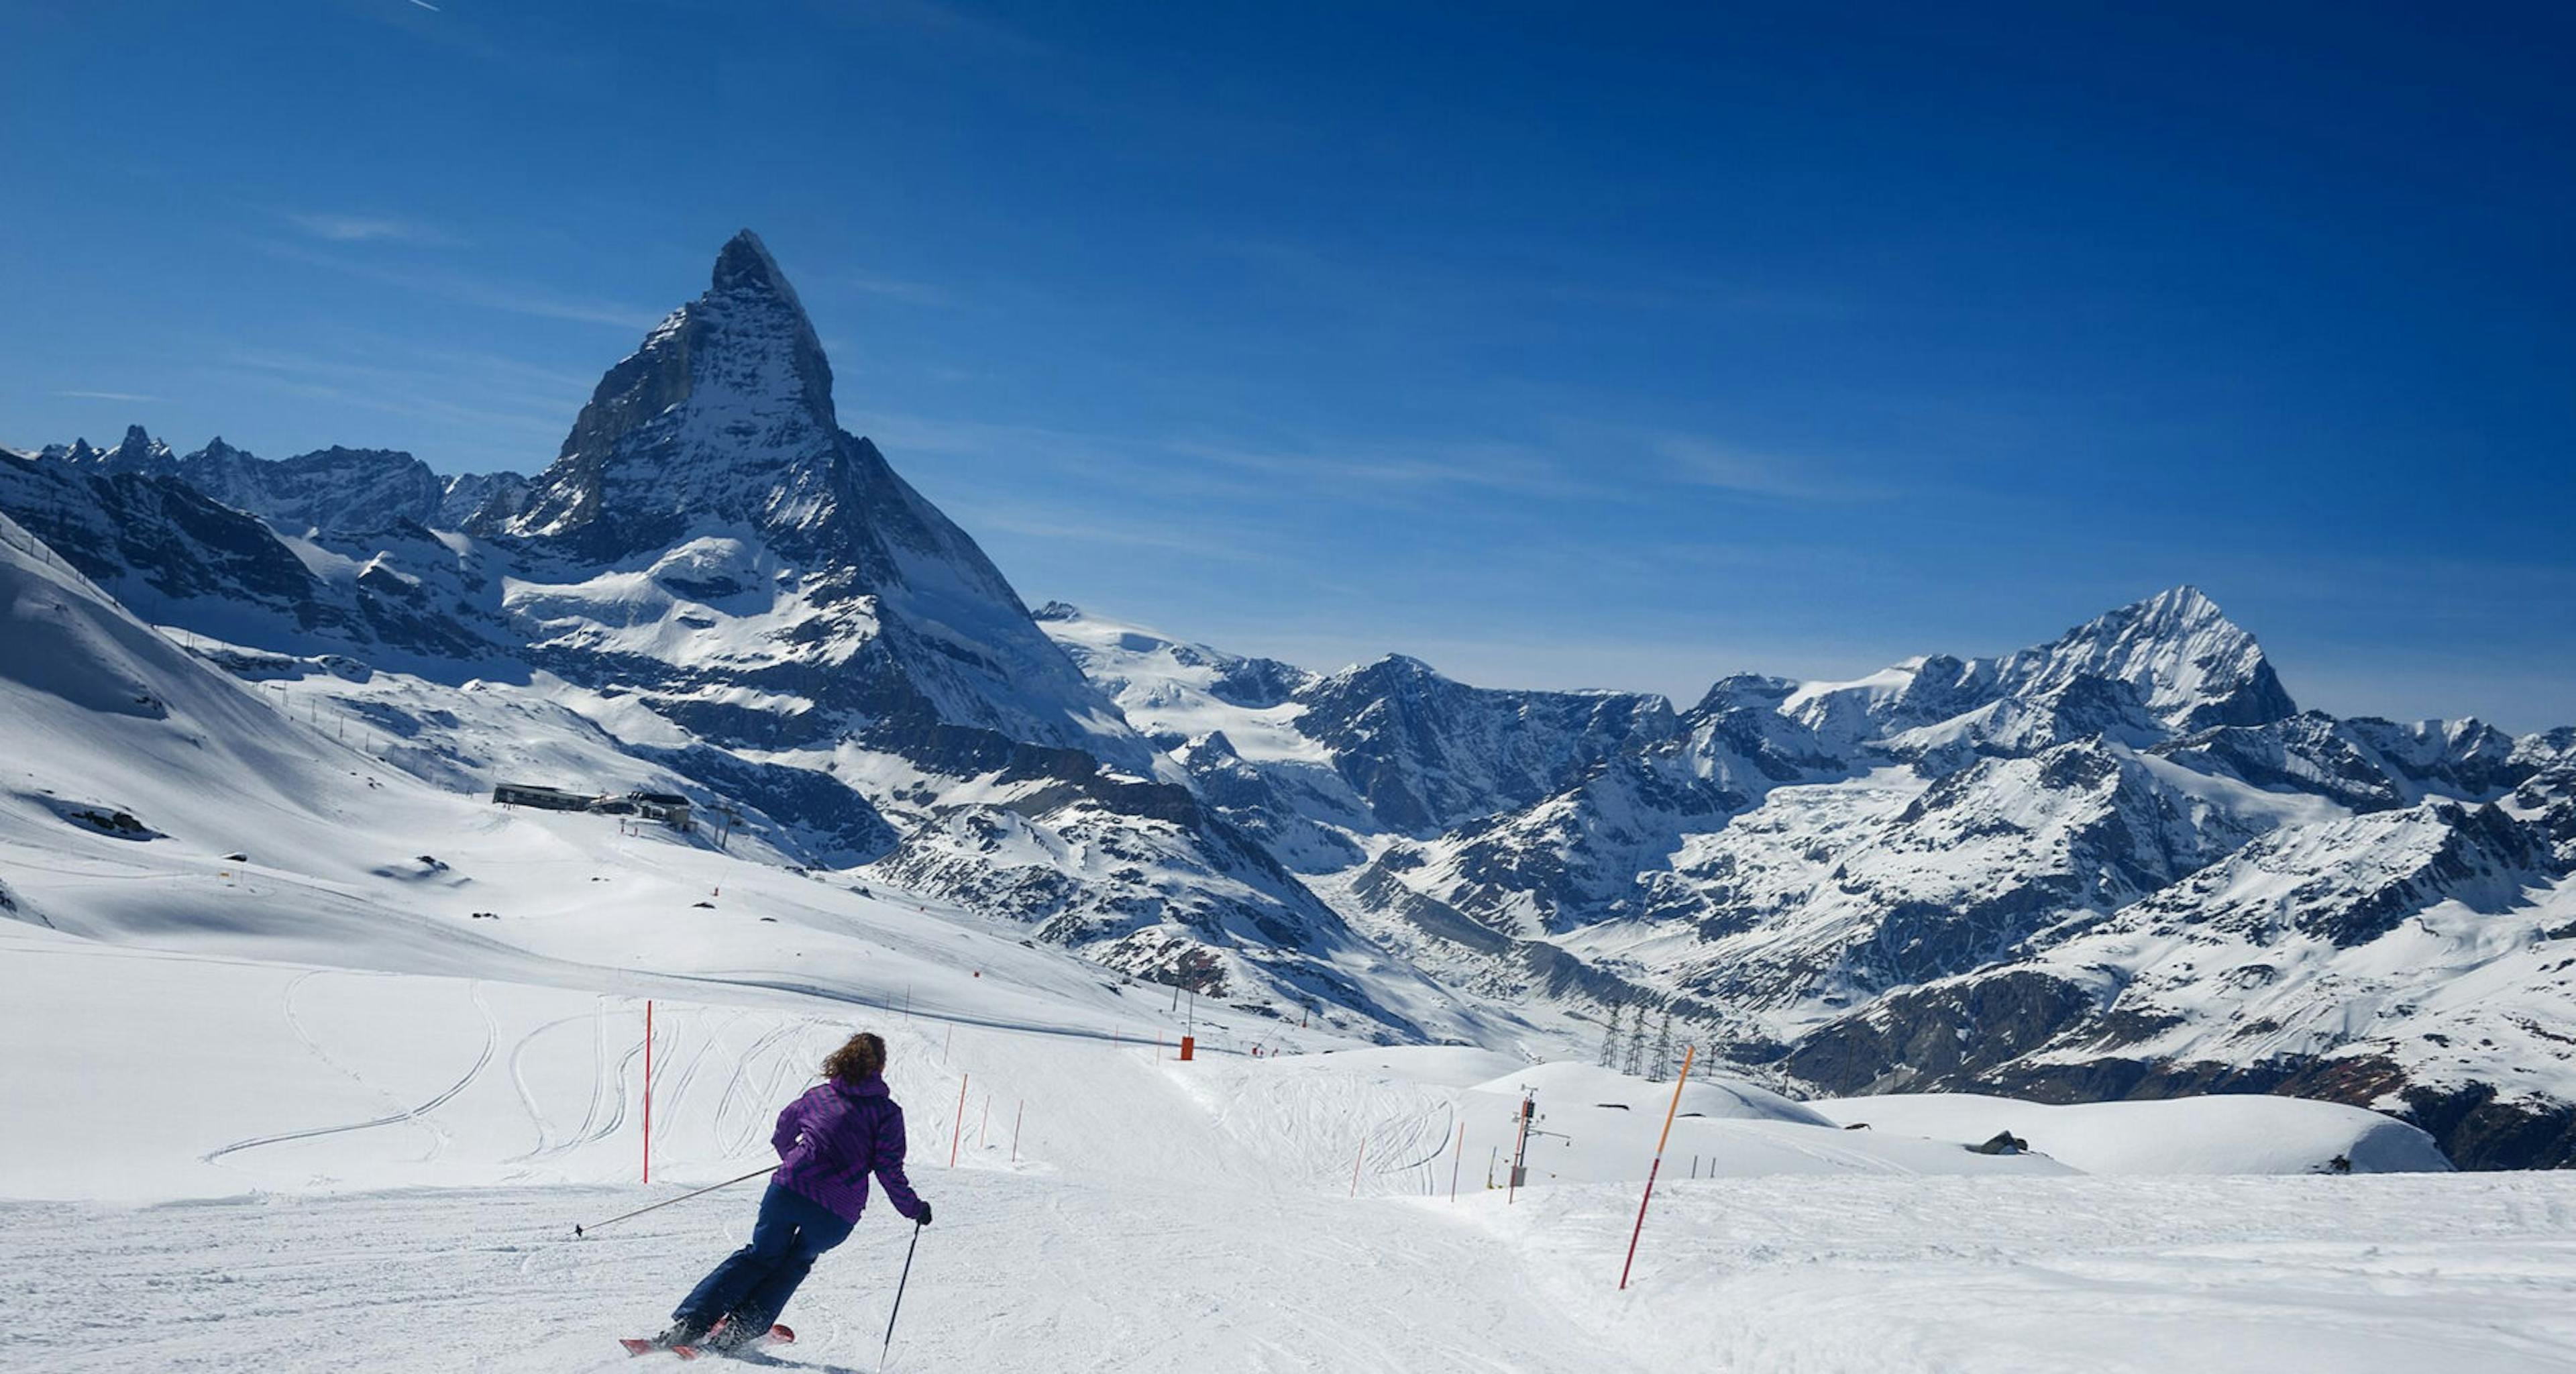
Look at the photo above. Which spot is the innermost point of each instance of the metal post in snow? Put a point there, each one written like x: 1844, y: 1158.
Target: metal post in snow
x: 1456, y: 1159
x: 1016, y: 1118
x: 1688, y: 1053
x: 1520, y: 1150
x: 957, y: 1131
x: 984, y: 1132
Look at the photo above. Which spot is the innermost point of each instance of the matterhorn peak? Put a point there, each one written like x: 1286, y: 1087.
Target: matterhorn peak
x: 724, y: 413
x: 745, y: 264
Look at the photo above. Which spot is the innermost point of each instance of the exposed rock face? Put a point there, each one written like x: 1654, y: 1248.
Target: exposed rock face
x: 330, y: 489
x: 181, y: 543
x: 724, y: 416
x: 1427, y: 753
x: 336, y: 490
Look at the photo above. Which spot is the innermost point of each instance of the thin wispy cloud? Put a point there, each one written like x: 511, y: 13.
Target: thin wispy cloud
x: 1392, y: 281
x: 1323, y: 469
x: 1384, y: 465
x: 339, y: 228
x: 892, y: 288
x: 130, y: 397
x: 1751, y: 472
x: 424, y: 4
x: 488, y: 293
x: 1196, y: 541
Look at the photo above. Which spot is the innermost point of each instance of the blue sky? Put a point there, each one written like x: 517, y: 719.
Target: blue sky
x: 1575, y: 345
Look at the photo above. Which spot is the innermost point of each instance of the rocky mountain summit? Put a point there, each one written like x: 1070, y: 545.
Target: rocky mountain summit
x: 2119, y: 862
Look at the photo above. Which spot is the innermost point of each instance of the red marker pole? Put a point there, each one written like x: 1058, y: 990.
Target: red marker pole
x: 1657, y: 1167
x: 648, y: 1089
x: 957, y: 1132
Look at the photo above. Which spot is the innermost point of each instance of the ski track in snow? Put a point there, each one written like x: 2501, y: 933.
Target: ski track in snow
x: 414, y: 1116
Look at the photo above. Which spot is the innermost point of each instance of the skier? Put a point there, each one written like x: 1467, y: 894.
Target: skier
x: 828, y: 1142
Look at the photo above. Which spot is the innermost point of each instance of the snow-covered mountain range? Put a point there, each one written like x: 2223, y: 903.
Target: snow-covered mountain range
x: 2119, y: 863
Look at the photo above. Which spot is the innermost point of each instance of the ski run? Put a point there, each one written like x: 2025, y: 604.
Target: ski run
x: 325, y: 1168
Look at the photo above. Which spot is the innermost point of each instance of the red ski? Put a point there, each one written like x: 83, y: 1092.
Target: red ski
x: 776, y: 1335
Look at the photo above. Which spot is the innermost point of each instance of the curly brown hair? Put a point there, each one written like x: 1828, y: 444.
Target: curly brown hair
x: 860, y: 1058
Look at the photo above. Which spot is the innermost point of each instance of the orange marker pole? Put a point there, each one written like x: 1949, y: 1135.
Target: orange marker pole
x: 648, y: 1089
x: 1657, y: 1167
x: 958, y: 1131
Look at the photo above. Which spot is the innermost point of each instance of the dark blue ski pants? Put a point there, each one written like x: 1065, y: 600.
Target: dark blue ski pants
x: 754, y: 1283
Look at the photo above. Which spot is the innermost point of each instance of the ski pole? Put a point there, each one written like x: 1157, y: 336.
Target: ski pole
x: 579, y: 1231
x: 897, y: 1310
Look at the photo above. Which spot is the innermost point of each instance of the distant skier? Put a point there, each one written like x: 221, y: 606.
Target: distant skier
x: 828, y: 1142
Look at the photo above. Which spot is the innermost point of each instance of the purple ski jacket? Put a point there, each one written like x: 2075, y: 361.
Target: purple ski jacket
x: 833, y: 1137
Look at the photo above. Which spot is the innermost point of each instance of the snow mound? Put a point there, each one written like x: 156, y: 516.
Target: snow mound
x: 2237, y: 1134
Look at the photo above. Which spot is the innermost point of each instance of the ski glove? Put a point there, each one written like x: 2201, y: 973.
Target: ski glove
x: 924, y: 1218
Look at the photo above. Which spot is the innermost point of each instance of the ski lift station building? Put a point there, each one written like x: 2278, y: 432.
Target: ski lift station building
x: 545, y: 798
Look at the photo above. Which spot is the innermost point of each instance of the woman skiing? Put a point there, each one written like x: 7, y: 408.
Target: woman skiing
x: 828, y: 1142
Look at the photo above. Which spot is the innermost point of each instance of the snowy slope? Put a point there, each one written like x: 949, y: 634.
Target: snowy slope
x: 1112, y: 1208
